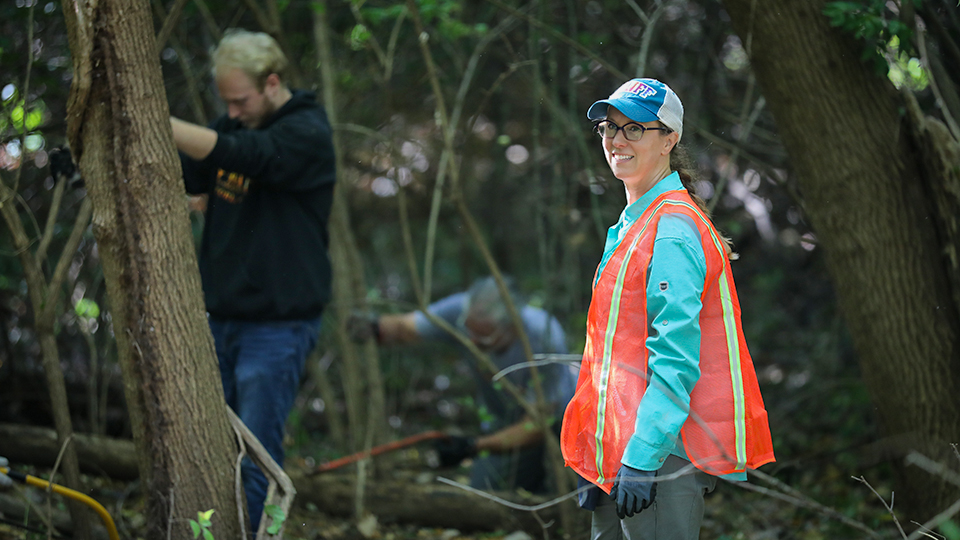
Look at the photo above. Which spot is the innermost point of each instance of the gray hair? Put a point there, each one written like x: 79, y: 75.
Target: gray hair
x: 484, y: 301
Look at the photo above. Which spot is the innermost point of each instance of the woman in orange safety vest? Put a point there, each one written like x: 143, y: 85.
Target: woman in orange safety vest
x: 667, y: 398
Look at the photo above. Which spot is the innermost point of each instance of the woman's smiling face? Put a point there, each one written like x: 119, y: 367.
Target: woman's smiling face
x: 638, y: 164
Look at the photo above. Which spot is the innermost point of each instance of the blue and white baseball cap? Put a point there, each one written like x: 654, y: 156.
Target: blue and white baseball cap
x: 643, y: 100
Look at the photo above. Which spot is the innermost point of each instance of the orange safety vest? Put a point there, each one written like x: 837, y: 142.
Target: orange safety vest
x: 727, y: 429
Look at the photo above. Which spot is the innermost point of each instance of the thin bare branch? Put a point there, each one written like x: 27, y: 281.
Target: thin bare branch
x: 510, y: 504
x: 374, y: 44
x: 260, y: 15
x: 683, y: 471
x: 647, y: 39
x: 443, y: 121
x: 238, y: 480
x: 746, y: 126
x: 935, y: 521
x: 932, y: 467
x: 193, y: 90
x: 208, y: 19
x: 48, y: 228
x: 639, y: 11
x: 448, y: 128
x: 540, y: 360
x: 66, y: 258
x: 803, y: 501
x: 273, y: 11
x: 392, y: 45
x: 172, y: 17
x: 888, y: 506
x: 25, y: 95
x: 938, y: 94
x: 562, y: 38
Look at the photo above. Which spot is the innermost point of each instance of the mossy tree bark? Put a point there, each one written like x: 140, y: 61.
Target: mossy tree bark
x: 118, y: 124
x: 879, y: 209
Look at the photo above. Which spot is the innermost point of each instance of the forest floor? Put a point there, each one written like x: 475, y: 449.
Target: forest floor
x: 820, y: 488
x: 848, y: 509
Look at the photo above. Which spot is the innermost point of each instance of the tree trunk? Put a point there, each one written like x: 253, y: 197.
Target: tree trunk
x: 118, y: 123
x: 870, y: 202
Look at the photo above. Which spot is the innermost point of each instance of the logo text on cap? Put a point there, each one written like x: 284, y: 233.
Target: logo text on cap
x: 636, y: 87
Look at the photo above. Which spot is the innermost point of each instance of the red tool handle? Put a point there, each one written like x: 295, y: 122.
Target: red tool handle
x: 377, y: 450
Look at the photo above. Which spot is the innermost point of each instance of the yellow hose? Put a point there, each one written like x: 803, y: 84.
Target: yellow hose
x: 67, y: 492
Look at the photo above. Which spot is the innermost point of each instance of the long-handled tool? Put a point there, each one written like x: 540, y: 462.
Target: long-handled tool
x: 377, y: 450
x: 66, y: 492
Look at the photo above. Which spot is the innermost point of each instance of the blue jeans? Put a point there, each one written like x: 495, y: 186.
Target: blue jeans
x: 260, y: 366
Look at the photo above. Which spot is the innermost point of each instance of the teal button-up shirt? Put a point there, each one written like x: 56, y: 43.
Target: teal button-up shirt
x: 675, y: 281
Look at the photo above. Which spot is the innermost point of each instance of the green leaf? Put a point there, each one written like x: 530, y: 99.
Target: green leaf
x: 274, y: 511
x: 277, y: 515
x: 34, y: 119
x: 359, y: 37
x: 205, y: 516
x: 207, y: 535
x: 196, y: 528
x: 17, y: 116
x: 89, y: 308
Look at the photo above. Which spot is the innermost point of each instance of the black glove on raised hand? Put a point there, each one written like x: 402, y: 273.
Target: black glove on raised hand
x: 633, y: 490
x: 454, y: 449
x: 363, y: 325
x: 61, y: 165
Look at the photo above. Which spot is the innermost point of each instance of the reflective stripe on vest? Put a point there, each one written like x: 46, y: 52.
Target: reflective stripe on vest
x: 607, y: 362
x: 729, y: 322
x: 733, y: 344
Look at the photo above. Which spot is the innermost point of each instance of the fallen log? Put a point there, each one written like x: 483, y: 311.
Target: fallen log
x: 426, y: 504
x: 430, y: 504
x: 98, y: 455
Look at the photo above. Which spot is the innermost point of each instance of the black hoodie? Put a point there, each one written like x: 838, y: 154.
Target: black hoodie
x: 264, y: 251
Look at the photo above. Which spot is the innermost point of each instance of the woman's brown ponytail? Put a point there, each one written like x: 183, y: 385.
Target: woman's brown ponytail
x: 681, y: 163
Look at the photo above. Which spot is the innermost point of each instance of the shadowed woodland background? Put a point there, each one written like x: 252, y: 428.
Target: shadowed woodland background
x: 825, y: 134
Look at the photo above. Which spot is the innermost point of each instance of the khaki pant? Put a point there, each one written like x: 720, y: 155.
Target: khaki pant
x: 676, y: 512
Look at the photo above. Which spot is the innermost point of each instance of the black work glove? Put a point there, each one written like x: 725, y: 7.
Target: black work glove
x: 61, y: 165
x: 363, y: 326
x: 5, y: 481
x: 633, y: 490
x: 454, y: 449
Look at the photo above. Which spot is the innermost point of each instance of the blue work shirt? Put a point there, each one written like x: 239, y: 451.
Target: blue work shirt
x: 558, y: 381
x: 675, y: 281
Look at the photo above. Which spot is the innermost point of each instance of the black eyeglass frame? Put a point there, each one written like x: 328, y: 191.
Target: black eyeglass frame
x: 643, y: 129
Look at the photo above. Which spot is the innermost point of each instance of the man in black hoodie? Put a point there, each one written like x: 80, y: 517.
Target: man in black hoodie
x: 267, y: 168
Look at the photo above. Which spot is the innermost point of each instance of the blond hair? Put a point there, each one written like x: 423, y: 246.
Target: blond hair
x: 254, y: 53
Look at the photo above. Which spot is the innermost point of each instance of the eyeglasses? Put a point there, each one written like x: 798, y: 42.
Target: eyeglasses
x: 632, y: 130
